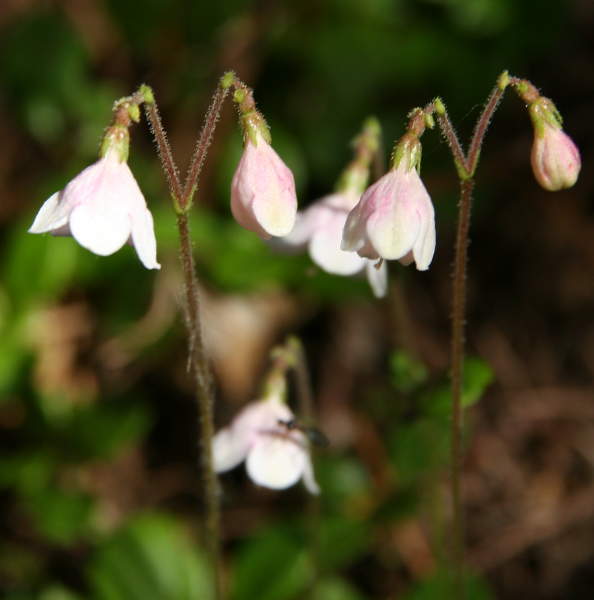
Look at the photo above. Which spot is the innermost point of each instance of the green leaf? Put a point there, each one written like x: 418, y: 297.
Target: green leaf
x: 61, y: 516
x: 440, y: 585
x: 334, y: 588
x: 37, y: 267
x: 150, y: 558
x: 97, y: 431
x: 407, y: 372
x: 273, y: 566
x: 477, y: 377
x: 340, y: 541
x: 418, y: 448
x: 57, y: 592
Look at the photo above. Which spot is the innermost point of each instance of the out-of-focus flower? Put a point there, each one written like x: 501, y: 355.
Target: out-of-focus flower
x: 394, y: 219
x: 555, y: 158
x: 263, y: 197
x: 320, y: 226
x: 102, y: 208
x: 276, y: 456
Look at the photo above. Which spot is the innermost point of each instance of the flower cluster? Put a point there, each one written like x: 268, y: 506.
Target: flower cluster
x: 355, y: 228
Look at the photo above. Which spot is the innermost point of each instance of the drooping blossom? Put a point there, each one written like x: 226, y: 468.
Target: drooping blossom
x: 102, y: 208
x: 276, y: 456
x: 263, y: 197
x: 320, y: 227
x: 394, y: 219
x: 555, y: 158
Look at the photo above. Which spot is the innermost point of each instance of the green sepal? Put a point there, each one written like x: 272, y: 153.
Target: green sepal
x: 503, y: 80
x: 544, y: 112
x: 353, y: 179
x: 407, y: 148
x: 227, y: 80
x: 116, y: 138
x: 147, y: 93
x: 254, y: 124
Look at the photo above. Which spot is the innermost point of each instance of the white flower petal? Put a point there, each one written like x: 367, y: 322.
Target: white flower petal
x: 228, y: 450
x: 276, y: 461
x: 53, y: 214
x: 308, y: 477
x: 324, y: 249
x: 263, y: 196
x: 353, y: 235
x: 393, y: 235
x: 377, y: 277
x: 143, y: 238
x: 100, y: 227
x: 424, y: 246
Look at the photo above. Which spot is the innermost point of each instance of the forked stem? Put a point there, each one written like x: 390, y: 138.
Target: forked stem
x: 466, y: 164
x: 198, y: 364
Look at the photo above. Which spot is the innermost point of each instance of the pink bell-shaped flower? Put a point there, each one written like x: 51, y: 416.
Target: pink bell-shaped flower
x: 320, y: 227
x: 394, y: 218
x: 263, y: 198
x: 555, y: 158
x: 276, y: 456
x: 102, y: 208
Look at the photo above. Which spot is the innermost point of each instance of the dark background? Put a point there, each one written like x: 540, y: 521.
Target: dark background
x: 99, y: 489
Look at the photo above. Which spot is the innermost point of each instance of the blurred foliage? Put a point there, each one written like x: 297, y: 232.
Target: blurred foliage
x: 318, y: 69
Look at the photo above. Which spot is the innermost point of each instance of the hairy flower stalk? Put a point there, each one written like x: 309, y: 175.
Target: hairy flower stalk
x: 199, y: 367
x: 556, y: 163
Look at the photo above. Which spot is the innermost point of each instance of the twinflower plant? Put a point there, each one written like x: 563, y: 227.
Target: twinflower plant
x: 347, y: 231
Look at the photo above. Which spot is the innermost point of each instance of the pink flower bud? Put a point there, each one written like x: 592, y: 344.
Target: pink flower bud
x: 102, y: 208
x: 263, y: 197
x: 275, y: 455
x: 394, y: 219
x: 555, y: 158
x: 320, y: 226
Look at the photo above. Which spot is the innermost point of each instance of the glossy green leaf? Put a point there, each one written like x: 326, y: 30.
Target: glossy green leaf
x: 152, y: 558
x: 272, y: 566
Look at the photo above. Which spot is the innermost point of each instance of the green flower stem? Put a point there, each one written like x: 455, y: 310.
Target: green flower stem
x: 163, y: 147
x: 457, y: 374
x: 480, y: 129
x: 198, y: 364
x: 201, y: 374
x: 466, y: 164
x: 202, y: 145
x: 355, y: 176
x: 295, y: 358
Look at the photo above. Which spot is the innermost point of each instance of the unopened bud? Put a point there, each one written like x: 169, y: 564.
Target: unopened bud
x: 555, y: 158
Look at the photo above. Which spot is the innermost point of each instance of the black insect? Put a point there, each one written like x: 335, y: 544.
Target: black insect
x: 313, y: 434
